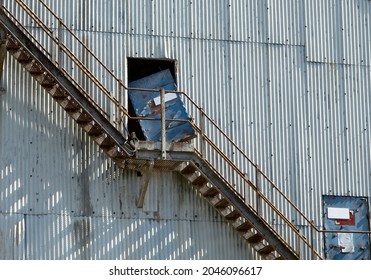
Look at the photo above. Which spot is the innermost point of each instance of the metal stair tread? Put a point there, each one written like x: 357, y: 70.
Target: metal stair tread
x: 22, y: 55
x: 115, y: 153
x: 188, y: 170
x: 69, y: 104
x: 263, y: 249
x: 34, y: 68
x: 104, y: 141
x: 207, y: 191
x: 254, y: 238
x: 92, y: 128
x: 200, y: 181
x: 12, y: 44
x: 231, y: 215
x: 45, y: 80
x: 242, y: 225
x: 57, y: 92
x: 80, y: 116
x: 218, y: 202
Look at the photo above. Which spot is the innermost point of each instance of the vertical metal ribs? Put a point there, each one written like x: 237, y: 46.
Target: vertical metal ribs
x: 108, y: 142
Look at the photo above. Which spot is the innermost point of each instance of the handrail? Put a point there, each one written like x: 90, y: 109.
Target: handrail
x: 124, y: 113
x: 63, y: 47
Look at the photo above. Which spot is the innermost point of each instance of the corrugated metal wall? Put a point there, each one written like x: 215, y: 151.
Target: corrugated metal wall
x: 61, y: 198
x: 288, y: 80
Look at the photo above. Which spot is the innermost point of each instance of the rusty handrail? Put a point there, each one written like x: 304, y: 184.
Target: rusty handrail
x: 18, y: 23
x: 125, y: 113
x: 69, y: 54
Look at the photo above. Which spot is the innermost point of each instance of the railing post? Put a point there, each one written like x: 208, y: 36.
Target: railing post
x: 59, y: 43
x: 119, y: 117
x: 203, y: 127
x: 163, y: 124
x: 312, y: 238
x: 258, y: 189
x: 299, y: 244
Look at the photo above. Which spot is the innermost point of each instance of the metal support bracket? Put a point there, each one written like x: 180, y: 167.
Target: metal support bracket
x: 144, y: 184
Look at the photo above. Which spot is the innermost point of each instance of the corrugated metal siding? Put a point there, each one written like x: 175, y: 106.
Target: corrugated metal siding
x: 288, y: 80
x: 12, y: 236
x: 249, y: 21
x: 339, y: 33
x: 286, y: 25
x: 69, y: 237
x: 64, y: 190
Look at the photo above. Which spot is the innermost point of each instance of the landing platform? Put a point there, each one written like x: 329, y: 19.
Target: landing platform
x: 147, y: 151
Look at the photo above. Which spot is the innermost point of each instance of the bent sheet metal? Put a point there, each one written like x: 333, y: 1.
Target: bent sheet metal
x: 148, y: 105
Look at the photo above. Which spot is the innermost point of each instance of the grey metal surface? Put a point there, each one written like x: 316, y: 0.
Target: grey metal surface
x: 324, y: 151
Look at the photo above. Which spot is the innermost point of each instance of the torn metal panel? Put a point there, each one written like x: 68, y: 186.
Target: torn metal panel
x: 148, y: 105
x: 346, y: 242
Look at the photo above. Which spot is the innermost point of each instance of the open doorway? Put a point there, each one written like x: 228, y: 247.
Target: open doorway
x: 138, y: 68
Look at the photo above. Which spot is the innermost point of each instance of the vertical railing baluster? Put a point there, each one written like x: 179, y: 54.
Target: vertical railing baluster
x: 312, y: 238
x: 299, y: 244
x: 163, y: 124
x: 258, y: 190
x: 203, y: 141
x: 60, y: 62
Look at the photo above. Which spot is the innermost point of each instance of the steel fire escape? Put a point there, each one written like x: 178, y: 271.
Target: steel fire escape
x: 242, y: 202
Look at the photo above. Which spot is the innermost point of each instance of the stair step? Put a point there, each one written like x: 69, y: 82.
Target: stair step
x: 46, y: 80
x: 263, y: 249
x: 57, y: 92
x: 68, y: 104
x: 209, y: 191
x: 115, y: 153
x: 104, y: 141
x: 253, y: 237
x: 93, y: 129
x: 270, y: 256
x: 242, y: 225
x: 80, y: 116
x: 218, y: 202
x: 188, y: 170
x: 34, y: 68
x: 200, y: 181
x: 22, y: 55
x: 231, y: 215
x: 12, y: 44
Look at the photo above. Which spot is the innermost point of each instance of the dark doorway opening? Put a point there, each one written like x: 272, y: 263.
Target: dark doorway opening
x: 142, y: 67
x: 138, y: 68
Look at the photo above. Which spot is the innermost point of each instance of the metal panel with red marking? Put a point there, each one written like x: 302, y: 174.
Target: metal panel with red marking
x: 343, y: 217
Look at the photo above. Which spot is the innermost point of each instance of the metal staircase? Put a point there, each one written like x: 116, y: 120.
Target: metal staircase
x: 245, y: 205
